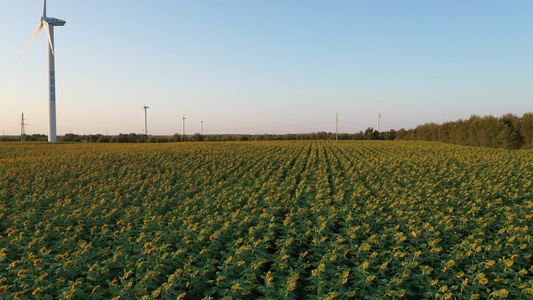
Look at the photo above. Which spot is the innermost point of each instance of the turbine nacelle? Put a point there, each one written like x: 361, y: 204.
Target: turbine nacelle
x: 53, y: 21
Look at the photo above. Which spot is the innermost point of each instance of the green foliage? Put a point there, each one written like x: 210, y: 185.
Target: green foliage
x: 265, y: 220
x: 509, y: 132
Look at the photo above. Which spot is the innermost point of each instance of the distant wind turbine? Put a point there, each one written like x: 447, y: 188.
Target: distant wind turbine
x: 336, y: 126
x: 183, y: 118
x: 379, y: 114
x: 145, y: 120
x: 48, y: 24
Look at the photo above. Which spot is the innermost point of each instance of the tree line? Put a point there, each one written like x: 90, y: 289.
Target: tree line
x: 368, y: 134
x: 508, y: 131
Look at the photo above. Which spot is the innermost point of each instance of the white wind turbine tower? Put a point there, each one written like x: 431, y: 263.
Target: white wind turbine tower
x: 379, y: 114
x: 48, y: 24
x: 145, y: 121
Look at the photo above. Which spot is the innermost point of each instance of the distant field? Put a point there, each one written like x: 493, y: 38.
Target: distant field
x: 259, y: 220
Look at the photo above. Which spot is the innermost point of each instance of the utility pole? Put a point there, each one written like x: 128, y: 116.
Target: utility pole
x: 336, y: 126
x: 183, y: 125
x: 145, y: 121
x: 22, y: 131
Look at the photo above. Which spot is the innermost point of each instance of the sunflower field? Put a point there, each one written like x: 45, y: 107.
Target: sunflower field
x: 265, y: 220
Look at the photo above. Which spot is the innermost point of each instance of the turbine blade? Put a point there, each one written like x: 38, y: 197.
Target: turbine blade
x: 33, y: 37
x: 44, y: 8
x: 47, y: 28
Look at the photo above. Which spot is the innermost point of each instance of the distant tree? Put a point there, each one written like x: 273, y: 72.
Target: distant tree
x: 92, y: 138
x: 214, y: 138
x: 69, y: 137
x: 492, y: 128
x: 358, y: 136
x: 445, y: 131
x: 289, y: 137
x: 176, y: 137
x: 512, y: 138
x: 104, y: 139
x: 526, y: 129
x: 197, y: 137
x: 428, y: 132
x: 228, y: 138
x: 267, y: 137
x: 122, y: 138
x: 130, y: 138
x: 9, y: 138
x: 459, y: 133
x: 157, y: 139
x: 321, y: 135
x: 344, y: 136
x: 390, y: 134
x: 369, y: 134
x: 411, y: 134
x: 37, y: 137
x: 475, y: 131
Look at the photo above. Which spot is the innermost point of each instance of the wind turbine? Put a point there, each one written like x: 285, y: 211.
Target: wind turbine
x: 379, y: 113
x: 48, y: 24
x: 145, y: 122
x: 183, y: 118
x: 336, y: 126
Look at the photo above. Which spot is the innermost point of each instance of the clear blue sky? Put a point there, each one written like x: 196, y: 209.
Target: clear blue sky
x: 265, y: 66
